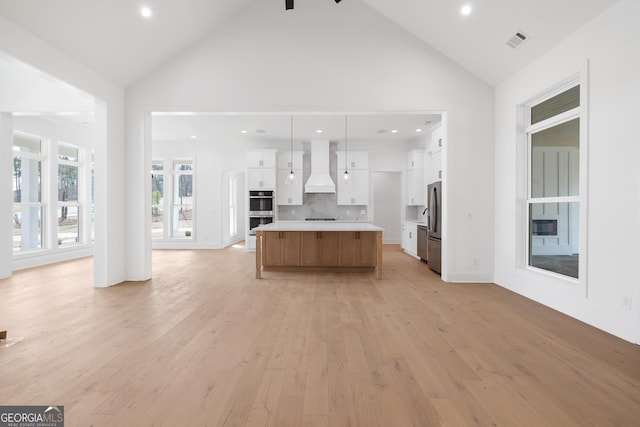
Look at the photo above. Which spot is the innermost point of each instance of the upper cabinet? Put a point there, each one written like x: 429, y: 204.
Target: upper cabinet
x: 415, y: 159
x: 290, y: 160
x: 261, y: 159
x: 434, y: 169
x: 355, y: 160
x: 261, y: 169
x: 436, y: 139
x: 354, y: 191
x: 290, y: 190
x: 416, y: 188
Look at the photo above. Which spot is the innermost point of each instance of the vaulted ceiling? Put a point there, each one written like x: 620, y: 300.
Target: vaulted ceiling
x: 112, y: 37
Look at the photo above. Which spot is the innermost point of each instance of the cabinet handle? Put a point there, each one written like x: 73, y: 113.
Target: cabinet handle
x: 318, y: 235
x: 439, y: 174
x: 440, y: 142
x: 261, y: 162
x: 410, y: 235
x: 353, y: 200
x: 357, y: 235
x: 289, y: 200
x: 353, y: 164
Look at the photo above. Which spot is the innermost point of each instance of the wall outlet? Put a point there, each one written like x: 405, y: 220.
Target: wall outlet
x: 626, y: 302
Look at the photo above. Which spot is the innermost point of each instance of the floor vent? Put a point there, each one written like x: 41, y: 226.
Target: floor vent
x: 517, y: 39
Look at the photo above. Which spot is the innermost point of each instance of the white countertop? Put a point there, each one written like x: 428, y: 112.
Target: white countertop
x: 319, y: 226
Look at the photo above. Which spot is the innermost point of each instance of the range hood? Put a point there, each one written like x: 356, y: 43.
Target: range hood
x: 320, y: 181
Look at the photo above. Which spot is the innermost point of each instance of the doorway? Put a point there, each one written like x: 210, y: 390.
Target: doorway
x: 387, y: 205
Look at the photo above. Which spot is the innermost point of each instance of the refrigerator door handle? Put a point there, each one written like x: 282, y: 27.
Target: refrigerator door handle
x: 435, y: 210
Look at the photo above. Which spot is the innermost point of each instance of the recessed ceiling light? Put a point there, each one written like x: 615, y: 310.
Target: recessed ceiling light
x: 243, y: 131
x: 145, y: 12
x: 418, y: 130
x: 318, y: 130
x: 193, y: 137
x: 394, y: 130
x: 466, y: 10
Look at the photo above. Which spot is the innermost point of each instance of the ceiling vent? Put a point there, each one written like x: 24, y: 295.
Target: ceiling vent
x: 517, y: 39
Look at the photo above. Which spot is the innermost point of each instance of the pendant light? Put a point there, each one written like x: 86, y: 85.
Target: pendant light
x: 345, y: 176
x: 291, y: 176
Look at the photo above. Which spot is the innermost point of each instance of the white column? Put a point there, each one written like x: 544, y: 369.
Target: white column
x: 110, y: 216
x: 6, y: 194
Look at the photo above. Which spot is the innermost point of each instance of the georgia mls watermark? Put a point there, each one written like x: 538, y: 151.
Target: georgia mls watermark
x: 31, y: 416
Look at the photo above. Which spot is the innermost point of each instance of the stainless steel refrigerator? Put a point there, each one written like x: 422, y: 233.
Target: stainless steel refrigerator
x: 434, y: 224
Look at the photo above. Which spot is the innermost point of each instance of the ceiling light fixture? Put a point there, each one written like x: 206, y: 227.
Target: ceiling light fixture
x: 146, y: 12
x: 394, y: 130
x: 193, y: 137
x: 318, y: 130
x: 418, y: 130
x: 243, y: 131
x: 466, y: 10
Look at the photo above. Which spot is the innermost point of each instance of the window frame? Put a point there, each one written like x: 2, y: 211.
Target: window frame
x: 173, y: 205
x: 77, y: 204
x: 527, y: 130
x: 41, y: 157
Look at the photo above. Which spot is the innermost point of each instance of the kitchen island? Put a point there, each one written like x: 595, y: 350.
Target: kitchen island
x: 331, y: 246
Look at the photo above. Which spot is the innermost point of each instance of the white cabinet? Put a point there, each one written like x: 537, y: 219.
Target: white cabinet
x: 436, y: 167
x: 409, y: 241
x: 261, y: 169
x: 263, y: 178
x: 290, y: 160
x: 415, y: 159
x: 355, y: 160
x: 416, y: 188
x: 290, y: 191
x: 355, y: 191
x: 435, y: 156
x: 261, y: 159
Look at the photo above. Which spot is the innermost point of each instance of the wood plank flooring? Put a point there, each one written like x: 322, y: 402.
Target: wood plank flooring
x: 204, y: 343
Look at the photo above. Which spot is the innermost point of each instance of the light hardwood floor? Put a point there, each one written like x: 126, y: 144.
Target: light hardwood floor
x: 205, y: 343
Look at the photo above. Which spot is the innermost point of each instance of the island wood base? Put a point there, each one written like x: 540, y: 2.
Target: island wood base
x: 318, y: 250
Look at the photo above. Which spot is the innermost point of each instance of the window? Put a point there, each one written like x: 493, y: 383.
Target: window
x: 553, y: 190
x: 49, y: 200
x: 28, y: 207
x: 182, y: 200
x: 157, y: 199
x: 69, y: 207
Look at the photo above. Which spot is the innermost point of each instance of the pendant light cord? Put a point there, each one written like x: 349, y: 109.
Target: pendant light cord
x: 346, y: 148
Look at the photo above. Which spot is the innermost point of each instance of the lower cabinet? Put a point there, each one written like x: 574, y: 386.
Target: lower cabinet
x: 357, y: 249
x: 281, y: 248
x: 320, y: 248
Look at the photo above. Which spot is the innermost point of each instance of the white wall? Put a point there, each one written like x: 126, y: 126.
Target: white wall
x: 110, y: 248
x: 610, y: 44
x: 323, y: 58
